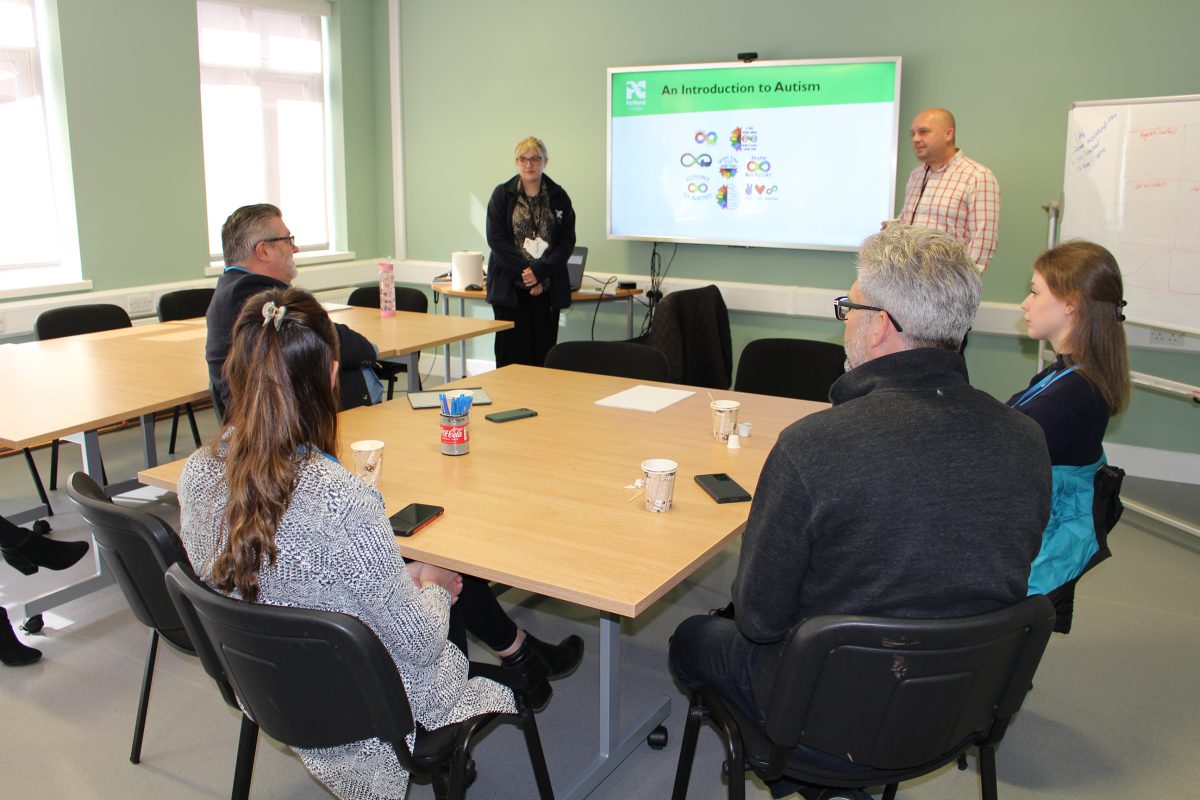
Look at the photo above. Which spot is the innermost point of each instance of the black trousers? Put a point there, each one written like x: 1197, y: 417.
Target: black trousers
x: 479, y: 612
x: 535, y: 330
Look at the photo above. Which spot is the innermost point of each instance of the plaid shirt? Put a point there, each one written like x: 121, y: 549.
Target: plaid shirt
x: 962, y: 199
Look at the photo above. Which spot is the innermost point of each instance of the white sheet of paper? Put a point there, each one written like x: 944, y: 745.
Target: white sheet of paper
x: 535, y: 247
x: 645, y: 398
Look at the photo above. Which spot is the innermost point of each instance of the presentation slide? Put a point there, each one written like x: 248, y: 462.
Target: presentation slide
x: 773, y: 154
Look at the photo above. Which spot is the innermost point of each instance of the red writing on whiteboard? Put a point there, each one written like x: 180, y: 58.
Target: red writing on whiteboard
x: 1150, y: 133
x: 1155, y: 184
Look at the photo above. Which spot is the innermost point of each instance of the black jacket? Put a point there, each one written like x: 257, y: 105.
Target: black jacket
x: 507, y: 261
x: 237, y: 286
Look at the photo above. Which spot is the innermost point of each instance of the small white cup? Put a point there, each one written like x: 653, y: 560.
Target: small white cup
x: 735, y: 442
x: 368, y: 460
x: 724, y: 418
x: 744, y: 430
x: 659, y: 477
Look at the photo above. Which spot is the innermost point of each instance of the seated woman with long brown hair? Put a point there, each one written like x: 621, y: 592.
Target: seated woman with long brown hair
x: 270, y: 516
x: 1075, y: 303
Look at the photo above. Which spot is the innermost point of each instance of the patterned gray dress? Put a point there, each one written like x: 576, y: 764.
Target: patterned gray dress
x: 337, y: 553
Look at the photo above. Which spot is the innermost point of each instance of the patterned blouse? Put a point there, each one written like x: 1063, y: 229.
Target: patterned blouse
x: 337, y: 553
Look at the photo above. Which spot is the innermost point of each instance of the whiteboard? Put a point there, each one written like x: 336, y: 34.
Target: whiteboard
x: 1132, y: 184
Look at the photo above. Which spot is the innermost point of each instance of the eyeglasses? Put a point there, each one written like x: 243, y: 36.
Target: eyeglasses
x: 525, y: 161
x: 842, y: 306
x: 291, y: 240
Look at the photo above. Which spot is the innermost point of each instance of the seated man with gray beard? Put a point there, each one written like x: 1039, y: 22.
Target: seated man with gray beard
x: 915, y: 495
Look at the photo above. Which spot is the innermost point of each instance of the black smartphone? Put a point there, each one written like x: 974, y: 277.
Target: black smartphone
x: 413, y: 517
x: 722, y: 488
x: 509, y: 416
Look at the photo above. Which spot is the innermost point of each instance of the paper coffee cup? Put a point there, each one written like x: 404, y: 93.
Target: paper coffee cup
x: 724, y: 418
x: 368, y: 460
x: 659, y: 477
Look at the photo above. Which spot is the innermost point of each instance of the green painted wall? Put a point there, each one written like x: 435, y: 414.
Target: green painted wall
x: 478, y: 76
x: 132, y: 84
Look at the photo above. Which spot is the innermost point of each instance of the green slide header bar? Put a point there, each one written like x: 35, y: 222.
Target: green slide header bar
x: 677, y: 91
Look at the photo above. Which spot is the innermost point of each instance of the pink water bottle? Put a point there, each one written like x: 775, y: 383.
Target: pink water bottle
x: 387, y: 289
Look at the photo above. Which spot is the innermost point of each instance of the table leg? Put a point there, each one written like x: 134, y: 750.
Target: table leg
x: 413, y: 361
x: 102, y: 578
x: 614, y: 747
x: 629, y: 317
x: 462, y: 346
x: 149, y: 446
x: 446, y: 346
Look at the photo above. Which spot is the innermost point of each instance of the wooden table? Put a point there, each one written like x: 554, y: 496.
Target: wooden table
x: 582, y: 296
x: 82, y: 383
x: 541, y: 504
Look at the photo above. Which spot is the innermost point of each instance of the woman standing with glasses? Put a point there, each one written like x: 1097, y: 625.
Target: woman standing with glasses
x: 1075, y: 303
x: 531, y: 232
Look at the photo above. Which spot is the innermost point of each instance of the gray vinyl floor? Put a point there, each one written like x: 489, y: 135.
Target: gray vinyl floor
x: 1114, y: 712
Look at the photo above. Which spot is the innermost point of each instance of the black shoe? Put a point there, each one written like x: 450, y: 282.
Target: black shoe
x: 441, y: 779
x: 560, y: 659
x: 526, y: 675
x: 12, y: 652
x: 726, y: 612
x: 31, y: 552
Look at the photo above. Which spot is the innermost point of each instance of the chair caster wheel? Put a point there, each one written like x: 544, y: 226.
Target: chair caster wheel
x: 34, y: 624
x: 657, y: 738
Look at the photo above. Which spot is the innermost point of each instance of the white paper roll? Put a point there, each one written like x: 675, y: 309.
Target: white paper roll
x: 466, y: 268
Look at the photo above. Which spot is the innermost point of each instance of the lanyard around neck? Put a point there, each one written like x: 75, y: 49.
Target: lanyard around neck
x: 1041, y: 386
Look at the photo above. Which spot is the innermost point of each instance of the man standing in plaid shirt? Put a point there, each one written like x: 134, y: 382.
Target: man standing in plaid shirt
x: 949, y: 192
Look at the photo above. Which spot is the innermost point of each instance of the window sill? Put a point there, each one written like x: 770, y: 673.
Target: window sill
x: 36, y: 291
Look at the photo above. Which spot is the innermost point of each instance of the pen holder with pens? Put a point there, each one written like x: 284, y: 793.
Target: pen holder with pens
x: 455, y: 419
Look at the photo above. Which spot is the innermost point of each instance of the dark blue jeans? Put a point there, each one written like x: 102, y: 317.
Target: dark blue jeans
x: 711, y: 651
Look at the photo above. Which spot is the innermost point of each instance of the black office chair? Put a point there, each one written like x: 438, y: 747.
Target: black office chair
x: 184, y: 304
x: 622, y: 359
x: 899, y: 697
x: 72, y: 321
x: 314, y: 679
x: 137, y: 548
x: 407, y: 299
x: 691, y: 328
x: 799, y: 368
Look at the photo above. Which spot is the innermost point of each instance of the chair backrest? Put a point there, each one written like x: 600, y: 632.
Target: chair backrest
x: 184, y: 304
x: 899, y: 693
x: 308, y: 678
x: 691, y: 328
x: 137, y: 548
x: 623, y: 359
x: 407, y: 298
x: 799, y: 368
x: 74, y: 320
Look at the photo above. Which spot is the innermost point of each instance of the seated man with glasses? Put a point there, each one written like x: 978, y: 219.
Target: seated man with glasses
x: 915, y: 495
x: 260, y: 254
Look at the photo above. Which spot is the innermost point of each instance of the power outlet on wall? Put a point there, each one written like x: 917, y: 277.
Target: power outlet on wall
x: 1169, y: 338
x: 142, y: 303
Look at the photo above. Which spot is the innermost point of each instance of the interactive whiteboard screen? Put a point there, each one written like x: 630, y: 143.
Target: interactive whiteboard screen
x: 773, y: 154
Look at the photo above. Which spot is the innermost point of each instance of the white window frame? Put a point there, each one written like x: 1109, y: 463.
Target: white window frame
x: 334, y: 245
x: 60, y: 270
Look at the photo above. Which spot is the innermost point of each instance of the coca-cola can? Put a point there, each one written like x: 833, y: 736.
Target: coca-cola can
x: 456, y: 434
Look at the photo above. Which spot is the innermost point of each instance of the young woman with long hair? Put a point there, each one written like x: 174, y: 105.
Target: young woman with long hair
x: 1076, y: 304
x: 269, y: 515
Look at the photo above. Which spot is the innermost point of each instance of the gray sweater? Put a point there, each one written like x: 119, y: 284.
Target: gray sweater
x: 915, y: 495
x: 337, y: 553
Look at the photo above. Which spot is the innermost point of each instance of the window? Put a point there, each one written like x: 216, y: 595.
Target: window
x: 38, y: 240
x: 267, y: 130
